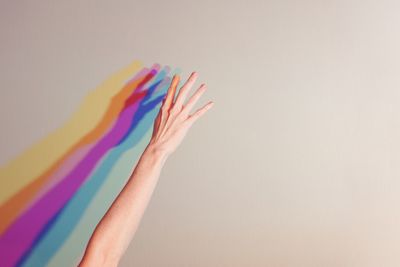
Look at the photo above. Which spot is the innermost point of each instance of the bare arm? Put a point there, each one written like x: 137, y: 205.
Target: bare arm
x: 116, y: 229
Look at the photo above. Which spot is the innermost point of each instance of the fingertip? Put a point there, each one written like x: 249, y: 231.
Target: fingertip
x: 194, y: 75
x: 175, y: 81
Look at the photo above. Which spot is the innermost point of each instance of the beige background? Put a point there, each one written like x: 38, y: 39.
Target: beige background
x: 297, y: 164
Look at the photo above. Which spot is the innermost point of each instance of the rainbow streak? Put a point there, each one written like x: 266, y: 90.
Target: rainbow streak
x: 12, y: 243
x: 82, y: 147
x: 45, y: 219
x: 51, y: 148
x: 16, y: 204
x: 71, y: 214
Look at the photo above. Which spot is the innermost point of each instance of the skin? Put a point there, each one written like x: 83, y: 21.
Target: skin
x: 116, y: 229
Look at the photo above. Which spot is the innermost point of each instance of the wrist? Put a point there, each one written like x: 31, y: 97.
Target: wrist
x: 156, y: 152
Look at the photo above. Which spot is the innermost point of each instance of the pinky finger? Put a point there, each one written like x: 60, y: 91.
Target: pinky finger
x: 200, y: 112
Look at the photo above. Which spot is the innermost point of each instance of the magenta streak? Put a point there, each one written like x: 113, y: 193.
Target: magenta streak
x: 62, y: 171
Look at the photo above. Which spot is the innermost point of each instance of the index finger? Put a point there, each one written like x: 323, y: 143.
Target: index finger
x: 171, y: 92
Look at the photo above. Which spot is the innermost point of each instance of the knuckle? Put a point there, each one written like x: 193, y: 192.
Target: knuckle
x: 175, y: 110
x: 172, y: 111
x: 182, y: 116
x: 184, y: 110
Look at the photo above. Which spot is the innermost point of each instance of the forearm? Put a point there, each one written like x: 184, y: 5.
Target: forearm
x: 116, y: 229
x: 118, y: 226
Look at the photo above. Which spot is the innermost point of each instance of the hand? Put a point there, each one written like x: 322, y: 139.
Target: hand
x: 173, y: 120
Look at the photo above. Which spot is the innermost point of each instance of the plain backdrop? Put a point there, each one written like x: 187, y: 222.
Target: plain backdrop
x: 297, y: 164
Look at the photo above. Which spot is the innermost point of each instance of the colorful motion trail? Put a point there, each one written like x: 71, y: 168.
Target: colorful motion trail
x: 54, y: 194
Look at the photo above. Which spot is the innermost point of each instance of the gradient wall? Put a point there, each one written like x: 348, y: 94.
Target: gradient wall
x: 297, y: 163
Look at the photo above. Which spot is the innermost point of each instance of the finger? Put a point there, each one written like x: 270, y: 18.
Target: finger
x: 163, y: 121
x: 185, y: 90
x: 200, y: 112
x: 167, y: 102
x: 194, y: 98
x: 171, y: 92
x: 146, y: 80
x: 156, y: 124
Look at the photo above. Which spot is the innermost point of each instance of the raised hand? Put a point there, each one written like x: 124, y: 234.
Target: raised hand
x: 174, y: 118
x: 118, y: 226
